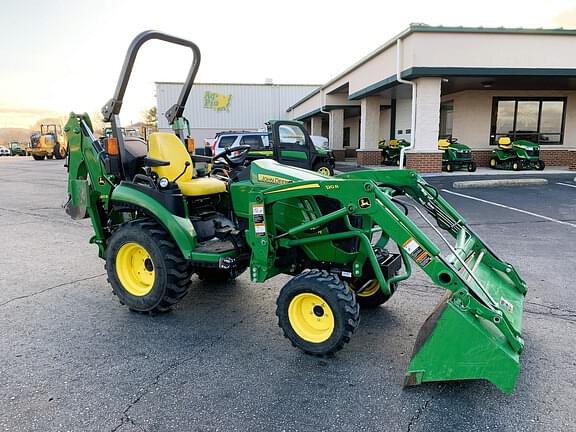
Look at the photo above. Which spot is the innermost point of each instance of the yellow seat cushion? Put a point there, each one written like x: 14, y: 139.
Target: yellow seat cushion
x: 504, y: 143
x: 168, y: 147
x: 443, y: 144
x: 201, y: 186
x: 393, y: 143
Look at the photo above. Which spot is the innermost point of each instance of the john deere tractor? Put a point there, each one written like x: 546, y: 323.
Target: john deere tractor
x: 456, y: 156
x: 391, y: 152
x: 348, y: 241
x: 517, y: 155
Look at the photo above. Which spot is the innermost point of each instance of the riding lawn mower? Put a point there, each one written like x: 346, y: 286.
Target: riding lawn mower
x: 516, y: 155
x: 348, y: 241
x: 456, y: 155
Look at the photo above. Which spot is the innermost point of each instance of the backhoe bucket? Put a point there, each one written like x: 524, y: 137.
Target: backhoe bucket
x: 456, y: 342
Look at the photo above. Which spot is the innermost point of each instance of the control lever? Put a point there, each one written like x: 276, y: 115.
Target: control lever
x: 186, y: 165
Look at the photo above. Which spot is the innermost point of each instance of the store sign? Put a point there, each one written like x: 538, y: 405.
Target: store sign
x: 216, y: 101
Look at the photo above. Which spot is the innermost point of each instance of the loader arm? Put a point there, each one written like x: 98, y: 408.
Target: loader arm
x: 485, y: 303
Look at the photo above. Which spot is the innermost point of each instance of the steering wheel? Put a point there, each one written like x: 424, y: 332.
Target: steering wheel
x: 236, y: 161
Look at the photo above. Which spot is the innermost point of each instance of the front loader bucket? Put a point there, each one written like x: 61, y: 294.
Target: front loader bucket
x: 456, y: 345
x: 458, y: 341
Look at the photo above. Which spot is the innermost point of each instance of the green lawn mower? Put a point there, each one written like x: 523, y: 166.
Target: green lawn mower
x: 347, y: 241
x: 456, y: 156
x: 517, y: 155
x: 391, y: 152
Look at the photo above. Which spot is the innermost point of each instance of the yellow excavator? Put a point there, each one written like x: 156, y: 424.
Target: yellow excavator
x: 49, y: 143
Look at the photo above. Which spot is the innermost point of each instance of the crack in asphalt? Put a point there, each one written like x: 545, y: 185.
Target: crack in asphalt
x: 49, y: 288
x: 41, y: 216
x: 423, y: 408
x: 173, y: 366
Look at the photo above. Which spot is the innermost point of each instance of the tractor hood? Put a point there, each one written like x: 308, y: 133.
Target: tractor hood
x: 270, y: 172
x: 459, y: 147
x: 526, y: 145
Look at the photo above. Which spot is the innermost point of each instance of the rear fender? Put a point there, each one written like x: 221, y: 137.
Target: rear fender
x: 179, y: 228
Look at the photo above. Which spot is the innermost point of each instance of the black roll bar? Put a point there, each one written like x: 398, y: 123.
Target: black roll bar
x: 113, y: 106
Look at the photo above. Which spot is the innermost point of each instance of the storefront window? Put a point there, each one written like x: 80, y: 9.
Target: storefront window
x: 540, y: 120
x: 446, y: 119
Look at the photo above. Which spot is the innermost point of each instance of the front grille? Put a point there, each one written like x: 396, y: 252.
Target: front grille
x: 533, y: 153
x: 463, y: 155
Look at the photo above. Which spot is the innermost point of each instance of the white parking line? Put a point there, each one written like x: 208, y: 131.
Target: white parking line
x: 511, y: 208
x: 566, y: 184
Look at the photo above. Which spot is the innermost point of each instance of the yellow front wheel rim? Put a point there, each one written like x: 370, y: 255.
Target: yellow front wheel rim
x: 135, y: 269
x: 324, y: 171
x: 311, y: 317
x: 370, y: 290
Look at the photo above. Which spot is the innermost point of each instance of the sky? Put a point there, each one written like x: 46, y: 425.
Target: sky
x: 59, y: 56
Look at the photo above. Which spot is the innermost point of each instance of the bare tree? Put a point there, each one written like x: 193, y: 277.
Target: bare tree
x: 150, y: 119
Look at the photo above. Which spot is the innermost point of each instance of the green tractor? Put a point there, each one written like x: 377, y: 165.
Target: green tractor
x: 517, y: 155
x: 391, y: 152
x: 16, y: 149
x: 347, y: 241
x: 456, y: 156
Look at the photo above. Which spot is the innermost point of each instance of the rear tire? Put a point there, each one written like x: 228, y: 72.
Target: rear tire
x: 373, y: 296
x: 58, y: 153
x: 317, y: 312
x: 145, y: 267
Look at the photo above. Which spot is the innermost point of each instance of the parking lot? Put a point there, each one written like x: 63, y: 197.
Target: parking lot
x: 73, y: 359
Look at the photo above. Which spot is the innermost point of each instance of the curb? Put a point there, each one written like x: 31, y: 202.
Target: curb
x: 499, y: 183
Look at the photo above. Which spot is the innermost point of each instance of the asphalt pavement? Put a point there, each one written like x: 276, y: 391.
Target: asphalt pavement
x: 73, y: 359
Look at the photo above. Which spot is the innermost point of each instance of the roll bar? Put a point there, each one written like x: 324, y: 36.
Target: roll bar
x: 114, y: 105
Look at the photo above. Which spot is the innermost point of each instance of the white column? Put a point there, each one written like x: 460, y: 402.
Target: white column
x: 369, y: 123
x: 427, y: 114
x: 336, y: 129
x: 316, y: 126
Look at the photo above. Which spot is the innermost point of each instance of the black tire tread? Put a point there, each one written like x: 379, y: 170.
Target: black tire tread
x: 178, y: 272
x: 346, y: 302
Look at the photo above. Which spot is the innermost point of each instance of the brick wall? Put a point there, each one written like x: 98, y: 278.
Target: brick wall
x: 572, y: 159
x: 340, y: 155
x: 369, y: 157
x: 424, y: 162
x: 550, y: 157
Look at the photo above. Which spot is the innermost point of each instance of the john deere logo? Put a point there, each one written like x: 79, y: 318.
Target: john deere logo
x: 364, y: 203
x: 101, y: 181
x: 216, y: 101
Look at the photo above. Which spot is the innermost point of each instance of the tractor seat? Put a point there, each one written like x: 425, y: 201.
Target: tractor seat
x: 504, y: 143
x: 443, y: 144
x: 168, y: 147
x: 393, y: 143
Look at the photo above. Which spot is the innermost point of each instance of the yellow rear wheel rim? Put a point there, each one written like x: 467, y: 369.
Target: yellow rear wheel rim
x: 135, y: 269
x: 370, y: 290
x: 311, y: 317
x: 324, y: 171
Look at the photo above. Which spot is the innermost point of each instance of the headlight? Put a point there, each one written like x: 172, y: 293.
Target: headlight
x: 163, y: 182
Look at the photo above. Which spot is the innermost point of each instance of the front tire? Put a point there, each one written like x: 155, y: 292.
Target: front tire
x: 540, y: 165
x: 317, y: 312
x: 38, y: 158
x: 516, y: 166
x: 471, y: 167
x: 145, y: 268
